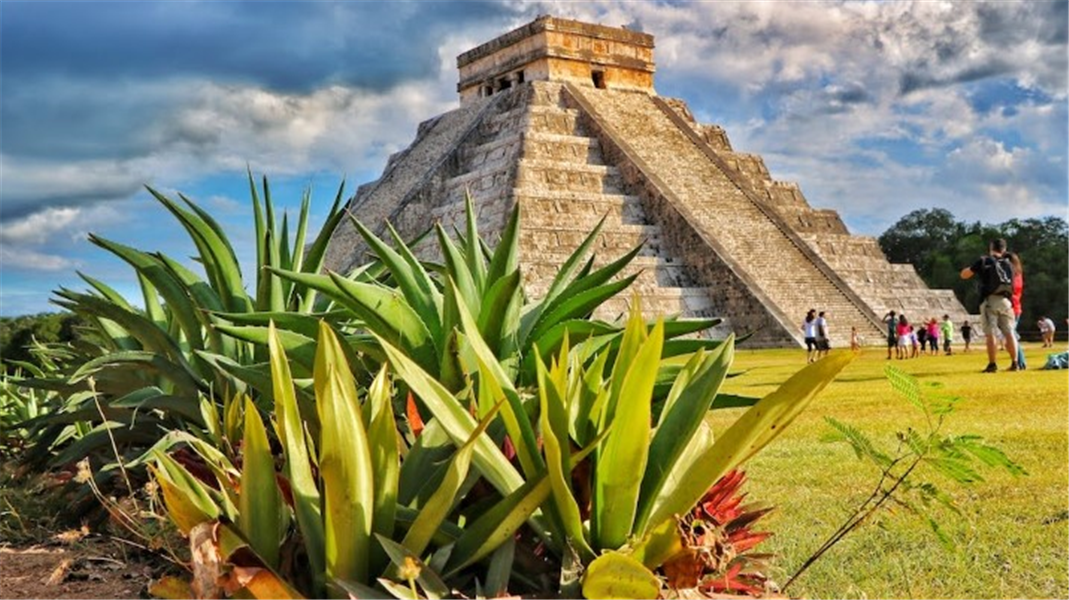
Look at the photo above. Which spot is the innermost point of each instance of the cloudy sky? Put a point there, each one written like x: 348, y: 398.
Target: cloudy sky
x: 875, y: 108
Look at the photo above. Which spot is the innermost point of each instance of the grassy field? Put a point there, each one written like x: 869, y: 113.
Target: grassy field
x: 1013, y: 538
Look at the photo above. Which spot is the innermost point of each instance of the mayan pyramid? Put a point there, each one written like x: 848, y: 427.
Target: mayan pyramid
x: 562, y: 117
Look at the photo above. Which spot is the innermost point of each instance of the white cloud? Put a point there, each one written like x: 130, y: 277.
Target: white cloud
x: 24, y: 259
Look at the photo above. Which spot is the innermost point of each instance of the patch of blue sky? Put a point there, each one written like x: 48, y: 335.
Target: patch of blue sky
x: 1002, y: 94
x: 902, y: 150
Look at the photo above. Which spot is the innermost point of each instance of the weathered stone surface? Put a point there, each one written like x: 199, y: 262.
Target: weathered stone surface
x: 721, y: 236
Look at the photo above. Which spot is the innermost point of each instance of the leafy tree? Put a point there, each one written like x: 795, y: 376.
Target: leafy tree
x: 18, y: 334
x: 938, y: 245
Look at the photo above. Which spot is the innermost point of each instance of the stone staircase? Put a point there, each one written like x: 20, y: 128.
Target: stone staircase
x: 564, y: 189
x: 783, y: 270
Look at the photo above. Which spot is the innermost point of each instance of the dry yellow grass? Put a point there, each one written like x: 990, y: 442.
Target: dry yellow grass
x: 1013, y: 540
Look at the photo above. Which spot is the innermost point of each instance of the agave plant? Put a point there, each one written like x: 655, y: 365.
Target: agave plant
x: 610, y: 517
x: 339, y: 504
x: 150, y: 367
x: 413, y: 304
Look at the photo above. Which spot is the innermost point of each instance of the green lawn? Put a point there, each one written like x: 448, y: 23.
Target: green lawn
x: 1013, y: 540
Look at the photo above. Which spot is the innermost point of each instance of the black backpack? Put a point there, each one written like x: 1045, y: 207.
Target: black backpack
x: 996, y: 277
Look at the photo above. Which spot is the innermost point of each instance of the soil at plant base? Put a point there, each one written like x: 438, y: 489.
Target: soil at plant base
x: 42, y: 556
x: 90, y: 569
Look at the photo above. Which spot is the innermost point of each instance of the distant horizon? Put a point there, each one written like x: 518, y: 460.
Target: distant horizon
x: 874, y: 109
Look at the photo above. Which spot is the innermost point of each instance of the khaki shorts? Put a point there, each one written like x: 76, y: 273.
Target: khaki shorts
x: 996, y: 312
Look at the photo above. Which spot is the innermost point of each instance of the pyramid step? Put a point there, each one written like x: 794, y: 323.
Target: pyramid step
x: 492, y: 175
x: 576, y: 177
x: 550, y: 208
x: 504, y: 147
x: 553, y: 147
x: 613, y: 240
x: 553, y: 119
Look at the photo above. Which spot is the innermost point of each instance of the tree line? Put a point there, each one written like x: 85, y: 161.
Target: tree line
x: 17, y: 335
x: 939, y: 245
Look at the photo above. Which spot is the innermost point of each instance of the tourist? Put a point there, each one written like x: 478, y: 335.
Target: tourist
x: 914, y: 340
x: 946, y: 331
x: 966, y: 334
x: 823, y: 344
x: 809, y: 331
x: 905, y: 335
x: 933, y: 336
x: 1015, y: 301
x: 922, y: 336
x: 855, y: 343
x: 996, y: 310
x: 891, y: 320
x: 1046, y: 331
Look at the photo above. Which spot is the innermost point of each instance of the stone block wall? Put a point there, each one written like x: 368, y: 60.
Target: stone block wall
x: 733, y: 293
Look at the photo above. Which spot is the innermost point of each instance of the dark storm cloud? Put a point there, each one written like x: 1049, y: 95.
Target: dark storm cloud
x: 285, y: 46
x: 123, y: 85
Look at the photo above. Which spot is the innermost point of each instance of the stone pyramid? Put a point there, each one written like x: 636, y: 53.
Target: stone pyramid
x: 562, y: 117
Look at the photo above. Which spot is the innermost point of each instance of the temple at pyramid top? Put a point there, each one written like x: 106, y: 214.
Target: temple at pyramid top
x: 552, y: 49
x: 560, y: 118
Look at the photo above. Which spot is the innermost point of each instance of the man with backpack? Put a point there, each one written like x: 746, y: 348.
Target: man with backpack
x: 995, y: 273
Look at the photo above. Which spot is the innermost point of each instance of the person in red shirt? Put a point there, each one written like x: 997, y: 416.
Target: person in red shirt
x: 1015, y: 300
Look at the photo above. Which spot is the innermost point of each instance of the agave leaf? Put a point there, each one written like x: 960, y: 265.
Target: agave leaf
x: 106, y: 291
x: 441, y: 502
x: 385, y: 454
x: 306, y: 324
x: 450, y: 371
x: 144, y: 330
x: 456, y: 421
x: 153, y: 399
x: 752, y: 431
x: 424, y: 465
x: 473, y: 243
x: 187, y: 500
x: 357, y: 590
x: 578, y: 306
x: 216, y: 255
x: 679, y: 421
x: 260, y: 503
x: 298, y: 469
x: 173, y: 292
x: 501, y: 521
x: 567, y: 270
x: 456, y: 269
x: 554, y: 424
x: 496, y: 525
x: 344, y: 463
x: 384, y: 311
x: 592, y: 280
x: 141, y: 362
x: 411, y: 278
x: 617, y: 575
x: 549, y: 342
x: 206, y: 300
x: 313, y: 258
x: 491, y: 374
x: 501, y: 300
x: 658, y: 545
x: 505, y: 257
x: 300, y: 348
x: 501, y: 566
x: 625, y: 453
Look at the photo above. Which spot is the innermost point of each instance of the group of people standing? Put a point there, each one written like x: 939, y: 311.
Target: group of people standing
x: 908, y: 341
x: 815, y: 331
x: 1001, y: 281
